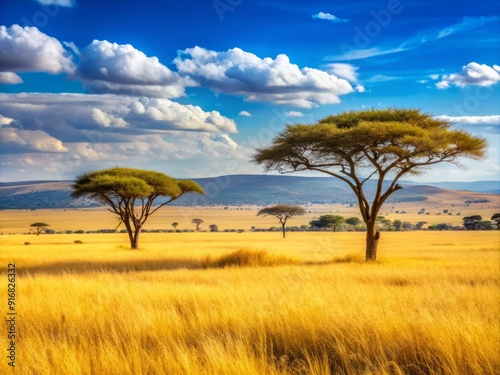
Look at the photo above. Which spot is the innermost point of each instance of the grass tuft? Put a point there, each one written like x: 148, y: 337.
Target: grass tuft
x: 349, y: 258
x: 245, y: 258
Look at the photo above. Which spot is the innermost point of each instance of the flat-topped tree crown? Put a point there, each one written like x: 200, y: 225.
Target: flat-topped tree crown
x: 358, y: 145
x: 130, y: 193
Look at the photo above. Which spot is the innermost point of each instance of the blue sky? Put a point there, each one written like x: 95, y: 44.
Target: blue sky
x: 190, y: 88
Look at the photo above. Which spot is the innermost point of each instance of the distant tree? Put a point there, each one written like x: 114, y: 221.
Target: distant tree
x: 353, y: 221
x: 407, y: 225
x: 331, y: 221
x: 213, y: 228
x: 130, y: 194
x: 39, y: 227
x: 420, y: 224
x: 397, y: 224
x: 496, y: 219
x: 485, y: 225
x: 197, y: 222
x: 442, y: 226
x: 283, y: 212
x: 385, y: 224
x: 471, y: 222
x: 316, y: 224
x: 174, y: 224
x: 378, y: 143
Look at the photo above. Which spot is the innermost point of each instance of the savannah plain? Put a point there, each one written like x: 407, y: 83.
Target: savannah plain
x: 252, y: 303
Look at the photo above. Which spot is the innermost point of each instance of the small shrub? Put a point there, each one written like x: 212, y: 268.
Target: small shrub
x: 245, y: 258
x: 27, y: 243
x: 78, y: 242
x: 349, y: 258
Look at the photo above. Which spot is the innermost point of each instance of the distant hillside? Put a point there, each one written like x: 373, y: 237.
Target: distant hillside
x: 251, y: 189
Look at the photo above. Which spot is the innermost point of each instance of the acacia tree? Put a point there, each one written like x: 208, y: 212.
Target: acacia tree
x: 472, y: 222
x: 331, y: 221
x: 39, y: 227
x: 175, y: 224
x: 197, y: 222
x: 283, y: 212
x: 130, y: 194
x: 357, y: 146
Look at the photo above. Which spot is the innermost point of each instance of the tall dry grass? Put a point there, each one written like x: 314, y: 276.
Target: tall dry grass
x: 429, y: 306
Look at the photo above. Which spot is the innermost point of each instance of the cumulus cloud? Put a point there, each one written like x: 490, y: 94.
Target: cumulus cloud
x: 120, y: 68
x: 345, y: 71
x: 26, y: 49
x: 10, y: 78
x: 14, y: 140
x: 62, y: 3
x: 472, y: 74
x: 472, y: 120
x: 237, y: 72
x: 105, y: 118
x: 328, y: 17
x: 294, y: 114
x: 245, y: 114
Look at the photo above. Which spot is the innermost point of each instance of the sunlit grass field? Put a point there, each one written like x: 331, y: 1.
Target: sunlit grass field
x: 430, y: 305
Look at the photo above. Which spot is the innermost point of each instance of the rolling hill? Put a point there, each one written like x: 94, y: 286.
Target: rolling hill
x: 256, y: 190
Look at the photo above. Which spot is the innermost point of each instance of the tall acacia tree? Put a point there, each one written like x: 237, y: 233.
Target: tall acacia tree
x: 130, y: 194
x: 283, y: 212
x: 374, y: 144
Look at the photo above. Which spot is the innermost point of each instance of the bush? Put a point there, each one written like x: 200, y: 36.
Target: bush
x: 245, y: 258
x: 78, y: 242
x: 27, y: 243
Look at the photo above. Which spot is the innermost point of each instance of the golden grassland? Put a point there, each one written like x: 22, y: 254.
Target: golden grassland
x: 430, y: 305
x: 18, y: 221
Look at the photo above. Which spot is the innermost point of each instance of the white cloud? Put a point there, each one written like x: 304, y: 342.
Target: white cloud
x: 10, y: 78
x: 345, y: 71
x: 120, y: 68
x: 360, y: 53
x: 245, y: 114
x: 434, y: 76
x: 62, y: 3
x: 5, y: 120
x: 237, y: 72
x: 29, y: 140
x: 328, y: 17
x: 178, y: 153
x: 294, y: 114
x: 381, y: 78
x: 107, y: 118
x: 29, y: 50
x: 472, y: 120
x: 472, y: 74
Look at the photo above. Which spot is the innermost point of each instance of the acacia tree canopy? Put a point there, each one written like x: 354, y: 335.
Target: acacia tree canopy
x: 283, y: 212
x: 39, y: 227
x: 359, y: 145
x: 130, y: 194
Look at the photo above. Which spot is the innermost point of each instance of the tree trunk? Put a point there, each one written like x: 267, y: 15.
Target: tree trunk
x: 134, y: 243
x: 283, y: 225
x: 372, y: 238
